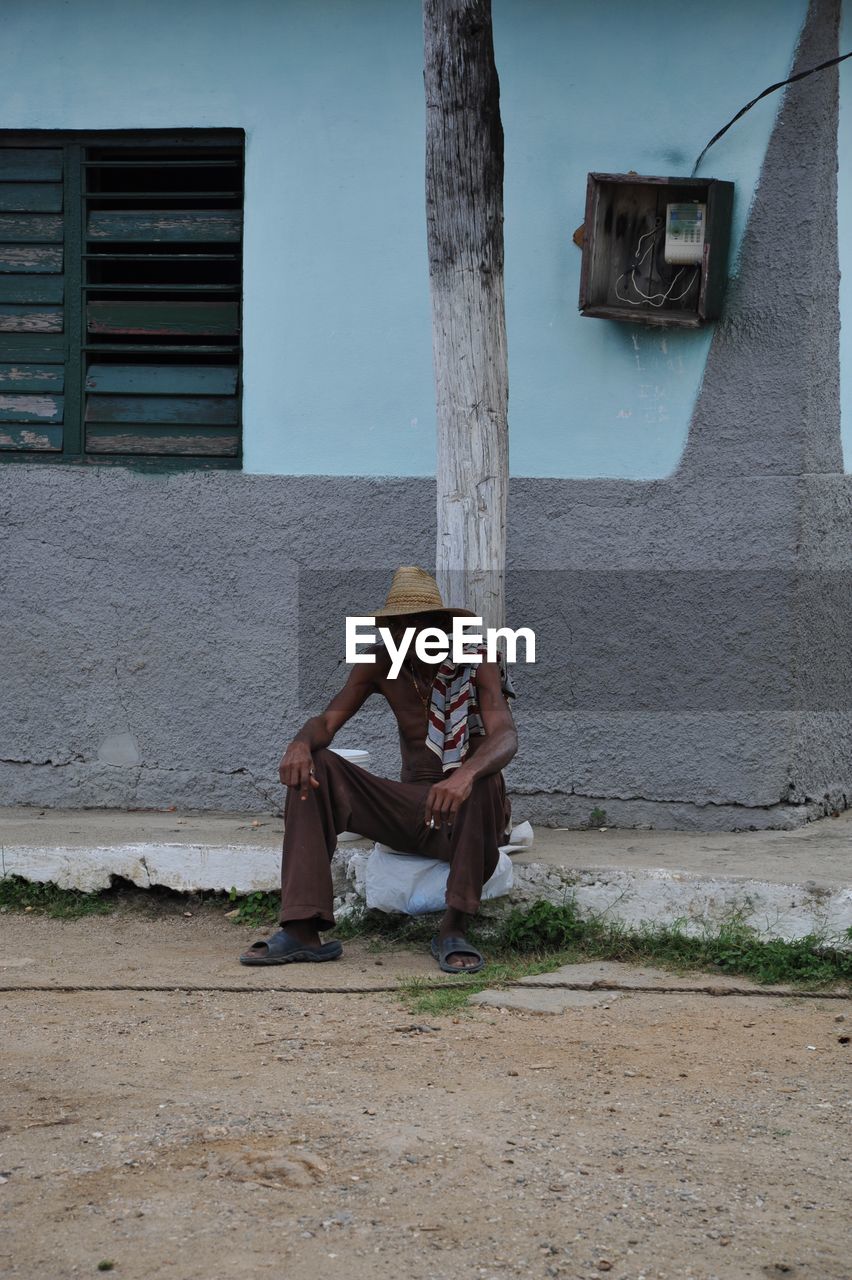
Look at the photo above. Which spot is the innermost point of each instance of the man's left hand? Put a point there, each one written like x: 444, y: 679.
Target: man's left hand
x: 446, y: 798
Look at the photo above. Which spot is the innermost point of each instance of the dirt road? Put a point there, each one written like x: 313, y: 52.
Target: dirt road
x: 198, y: 1134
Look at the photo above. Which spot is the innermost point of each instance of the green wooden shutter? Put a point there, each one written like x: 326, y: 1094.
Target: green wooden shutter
x: 32, y: 298
x: 162, y: 285
x: 121, y: 296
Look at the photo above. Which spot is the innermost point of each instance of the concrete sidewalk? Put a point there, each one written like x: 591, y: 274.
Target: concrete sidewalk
x: 786, y: 884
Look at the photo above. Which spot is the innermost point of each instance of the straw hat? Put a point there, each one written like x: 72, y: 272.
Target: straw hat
x: 413, y: 590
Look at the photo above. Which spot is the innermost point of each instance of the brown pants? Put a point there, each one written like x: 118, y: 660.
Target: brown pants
x: 351, y: 799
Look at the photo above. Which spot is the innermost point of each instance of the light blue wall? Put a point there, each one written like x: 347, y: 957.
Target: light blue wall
x: 613, y: 87
x: 337, y: 365
x: 844, y: 233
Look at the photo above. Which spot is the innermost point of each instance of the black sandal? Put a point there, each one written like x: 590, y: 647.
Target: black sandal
x: 443, y: 947
x: 282, y: 948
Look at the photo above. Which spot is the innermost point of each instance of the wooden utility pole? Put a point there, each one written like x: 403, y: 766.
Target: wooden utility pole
x: 464, y: 212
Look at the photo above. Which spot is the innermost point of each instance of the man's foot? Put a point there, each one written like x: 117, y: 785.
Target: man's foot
x: 453, y: 926
x: 304, y: 931
x: 459, y: 949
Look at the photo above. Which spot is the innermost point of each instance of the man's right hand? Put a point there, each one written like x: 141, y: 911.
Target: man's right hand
x: 297, y: 768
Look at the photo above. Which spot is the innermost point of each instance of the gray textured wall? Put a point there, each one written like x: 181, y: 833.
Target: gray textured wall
x: 164, y: 635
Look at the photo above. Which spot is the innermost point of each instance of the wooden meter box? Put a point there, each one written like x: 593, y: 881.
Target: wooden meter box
x: 633, y: 225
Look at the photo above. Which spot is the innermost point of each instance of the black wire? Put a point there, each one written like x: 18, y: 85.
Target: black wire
x: 832, y: 62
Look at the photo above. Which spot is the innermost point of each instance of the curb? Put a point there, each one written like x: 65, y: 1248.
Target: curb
x: 632, y: 896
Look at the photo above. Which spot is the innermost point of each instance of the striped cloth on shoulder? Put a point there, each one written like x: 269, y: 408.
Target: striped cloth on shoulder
x: 454, y: 709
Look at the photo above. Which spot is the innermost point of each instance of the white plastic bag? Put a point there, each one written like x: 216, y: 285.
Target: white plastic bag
x: 520, y: 838
x: 414, y: 885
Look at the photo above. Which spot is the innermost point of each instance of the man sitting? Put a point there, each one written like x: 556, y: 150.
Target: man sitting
x: 456, y: 734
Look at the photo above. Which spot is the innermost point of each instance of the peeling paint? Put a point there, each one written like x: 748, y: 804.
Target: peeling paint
x: 23, y: 320
x: 36, y: 406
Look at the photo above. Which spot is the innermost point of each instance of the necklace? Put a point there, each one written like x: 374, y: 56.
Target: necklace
x: 426, y: 701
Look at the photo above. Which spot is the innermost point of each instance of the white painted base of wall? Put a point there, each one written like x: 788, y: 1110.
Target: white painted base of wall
x: 184, y: 867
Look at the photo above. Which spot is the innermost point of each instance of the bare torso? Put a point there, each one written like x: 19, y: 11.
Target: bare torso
x: 408, y: 696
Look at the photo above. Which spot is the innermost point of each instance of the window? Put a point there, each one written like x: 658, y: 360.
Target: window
x: 120, y: 297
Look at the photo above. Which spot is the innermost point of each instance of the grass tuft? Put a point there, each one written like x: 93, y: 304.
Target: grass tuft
x: 387, y: 929
x: 522, y: 943
x: 421, y: 995
x: 256, y: 909
x: 18, y: 894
